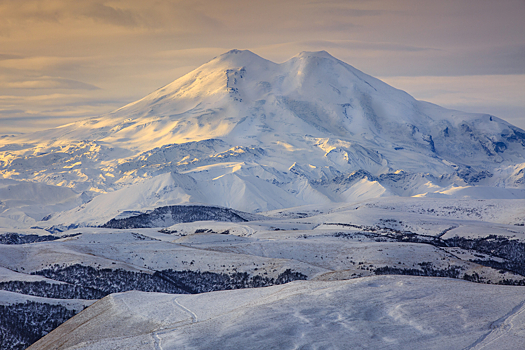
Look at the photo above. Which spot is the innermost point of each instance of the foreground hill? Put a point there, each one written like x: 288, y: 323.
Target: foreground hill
x: 391, y: 312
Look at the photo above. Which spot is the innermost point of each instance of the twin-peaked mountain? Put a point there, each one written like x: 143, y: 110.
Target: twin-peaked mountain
x: 246, y: 133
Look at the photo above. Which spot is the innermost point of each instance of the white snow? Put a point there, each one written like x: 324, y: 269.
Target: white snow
x: 256, y: 136
x: 394, y: 312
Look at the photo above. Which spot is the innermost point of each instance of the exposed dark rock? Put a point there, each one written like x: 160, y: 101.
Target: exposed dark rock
x: 394, y: 177
x: 500, y: 147
x: 471, y: 176
x: 428, y: 138
x: 170, y: 215
x: 515, y: 135
x: 60, y: 228
x: 346, y: 179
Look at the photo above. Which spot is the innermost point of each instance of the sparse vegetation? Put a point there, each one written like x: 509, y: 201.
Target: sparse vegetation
x: 23, y: 324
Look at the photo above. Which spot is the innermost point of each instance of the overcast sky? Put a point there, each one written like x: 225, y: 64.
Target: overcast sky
x: 63, y: 60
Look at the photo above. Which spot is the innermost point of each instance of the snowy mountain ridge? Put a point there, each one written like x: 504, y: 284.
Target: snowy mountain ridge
x: 246, y: 133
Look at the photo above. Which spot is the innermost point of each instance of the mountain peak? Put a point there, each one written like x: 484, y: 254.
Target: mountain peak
x: 236, y: 52
x: 239, y: 58
x: 317, y: 54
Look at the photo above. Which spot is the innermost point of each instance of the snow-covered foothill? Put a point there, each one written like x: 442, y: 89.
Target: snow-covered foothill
x: 394, y: 312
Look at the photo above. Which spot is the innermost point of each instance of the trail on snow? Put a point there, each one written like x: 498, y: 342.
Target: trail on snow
x: 499, y: 328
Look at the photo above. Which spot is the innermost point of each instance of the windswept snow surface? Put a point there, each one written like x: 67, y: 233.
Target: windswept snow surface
x: 390, y: 312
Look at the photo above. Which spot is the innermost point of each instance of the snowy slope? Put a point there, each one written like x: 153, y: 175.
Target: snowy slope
x: 380, y: 312
x: 477, y: 241
x: 249, y: 134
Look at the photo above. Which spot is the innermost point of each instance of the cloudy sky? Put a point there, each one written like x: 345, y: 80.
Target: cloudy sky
x: 63, y: 60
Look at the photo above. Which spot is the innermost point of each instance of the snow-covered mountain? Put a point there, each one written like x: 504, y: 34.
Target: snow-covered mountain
x: 245, y: 173
x: 249, y: 134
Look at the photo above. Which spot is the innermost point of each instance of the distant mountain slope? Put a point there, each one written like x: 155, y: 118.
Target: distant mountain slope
x: 246, y: 133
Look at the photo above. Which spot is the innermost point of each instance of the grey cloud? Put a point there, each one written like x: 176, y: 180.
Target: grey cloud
x: 29, y: 123
x: 51, y: 83
x: 11, y: 111
x: 9, y: 56
x: 349, y: 44
x: 391, y: 59
x: 105, y: 13
x: 512, y: 57
x: 509, y: 59
x: 113, y: 103
x: 340, y: 2
x: 61, y: 10
x: 502, y: 60
x: 357, y: 12
x: 161, y: 14
x: 342, y: 9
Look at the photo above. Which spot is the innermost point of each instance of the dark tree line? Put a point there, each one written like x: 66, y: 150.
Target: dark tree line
x: 91, y: 281
x: 52, y: 290
x: 201, y: 282
x: 16, y: 238
x: 24, y: 323
x: 512, y: 250
x: 108, y: 281
x: 426, y: 269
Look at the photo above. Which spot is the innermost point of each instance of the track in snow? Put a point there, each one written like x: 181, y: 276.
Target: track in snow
x: 499, y: 328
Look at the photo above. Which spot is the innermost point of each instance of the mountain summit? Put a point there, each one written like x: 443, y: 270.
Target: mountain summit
x: 243, y: 132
